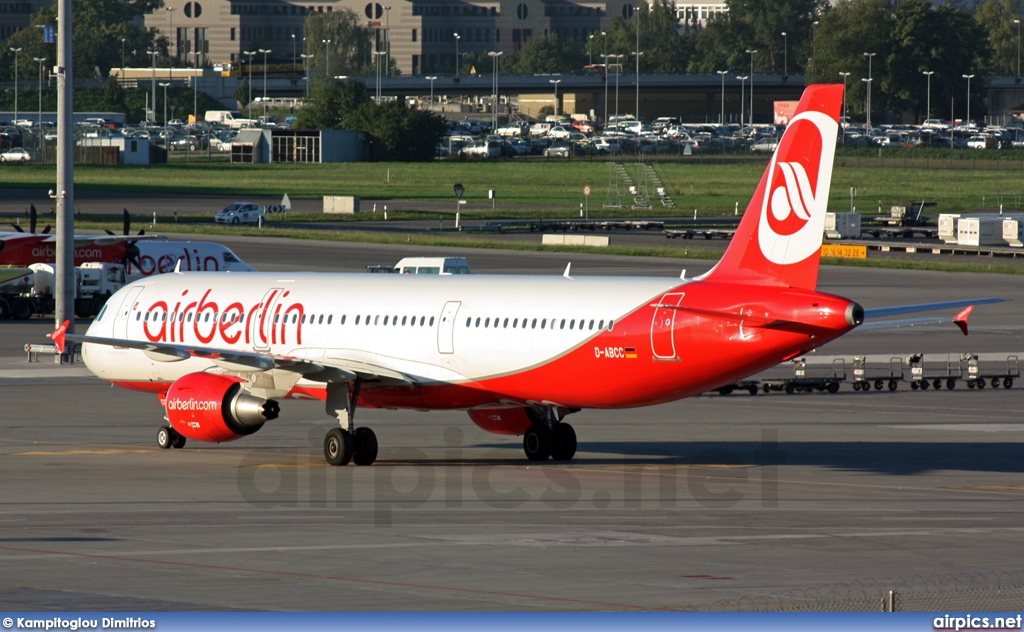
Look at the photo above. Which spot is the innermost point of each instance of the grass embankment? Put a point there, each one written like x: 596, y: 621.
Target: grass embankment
x: 712, y: 187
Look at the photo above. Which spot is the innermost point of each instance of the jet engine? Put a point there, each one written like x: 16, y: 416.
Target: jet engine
x: 215, y: 408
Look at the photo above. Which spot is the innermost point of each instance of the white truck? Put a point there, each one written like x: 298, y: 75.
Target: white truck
x: 32, y: 293
x: 230, y: 118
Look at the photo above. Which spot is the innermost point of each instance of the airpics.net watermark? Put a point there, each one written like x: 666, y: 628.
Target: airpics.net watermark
x: 410, y: 479
x: 78, y: 623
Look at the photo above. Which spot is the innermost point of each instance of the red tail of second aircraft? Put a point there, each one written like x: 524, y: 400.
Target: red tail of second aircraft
x: 778, y: 241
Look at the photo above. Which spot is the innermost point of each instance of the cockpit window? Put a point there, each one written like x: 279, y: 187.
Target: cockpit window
x: 229, y: 257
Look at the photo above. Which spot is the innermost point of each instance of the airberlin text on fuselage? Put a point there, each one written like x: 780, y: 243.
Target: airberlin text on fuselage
x: 206, y: 320
x: 42, y: 252
x: 162, y: 264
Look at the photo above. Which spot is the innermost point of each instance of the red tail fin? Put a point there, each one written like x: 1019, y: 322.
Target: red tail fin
x: 778, y: 241
x: 57, y: 335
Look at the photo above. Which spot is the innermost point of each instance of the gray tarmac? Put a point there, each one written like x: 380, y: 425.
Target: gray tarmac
x: 722, y: 503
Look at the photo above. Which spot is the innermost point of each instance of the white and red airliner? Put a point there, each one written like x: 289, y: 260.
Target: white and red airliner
x: 517, y: 353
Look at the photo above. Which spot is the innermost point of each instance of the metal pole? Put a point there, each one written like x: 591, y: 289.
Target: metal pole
x: 250, y: 54
x: 195, y: 86
x: 785, y: 54
x: 172, y: 41
x: 1017, y: 22
x: 294, y: 67
x: 722, y: 74
x: 265, y: 51
x: 152, y: 54
x: 64, y: 309
x: 636, y: 13
x: 869, y: 56
x: 928, y: 101
x: 556, y: 82
x: 751, y: 53
x: 122, y: 60
x: 16, y: 51
x: 457, y: 38
x: 968, y: 119
x: 39, y: 122
x: 742, y: 90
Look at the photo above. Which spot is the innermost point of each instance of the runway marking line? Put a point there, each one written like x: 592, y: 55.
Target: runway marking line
x: 341, y: 578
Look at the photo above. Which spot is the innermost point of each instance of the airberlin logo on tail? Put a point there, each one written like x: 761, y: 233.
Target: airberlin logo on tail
x: 794, y: 204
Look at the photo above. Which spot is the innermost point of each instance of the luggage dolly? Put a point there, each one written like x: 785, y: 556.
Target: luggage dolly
x: 918, y: 379
x: 977, y: 379
x: 862, y: 380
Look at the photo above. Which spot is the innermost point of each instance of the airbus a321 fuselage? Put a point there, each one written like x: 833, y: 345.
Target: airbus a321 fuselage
x: 518, y: 353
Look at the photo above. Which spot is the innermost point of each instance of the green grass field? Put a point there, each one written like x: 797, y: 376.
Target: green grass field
x: 711, y: 186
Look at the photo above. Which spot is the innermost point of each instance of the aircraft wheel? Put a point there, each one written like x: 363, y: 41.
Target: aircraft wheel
x: 766, y: 388
x: 338, y: 446
x: 1007, y: 382
x: 165, y: 437
x: 981, y: 384
x: 878, y: 385
x: 856, y: 386
x: 790, y: 389
x: 365, y: 446
x: 537, y: 443
x: 565, y: 443
x: 892, y: 385
x: 950, y: 384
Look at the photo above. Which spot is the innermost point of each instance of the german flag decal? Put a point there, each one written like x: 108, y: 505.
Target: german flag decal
x: 631, y: 353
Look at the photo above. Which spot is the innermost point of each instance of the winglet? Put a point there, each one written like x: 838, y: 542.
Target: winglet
x: 57, y: 335
x: 566, y: 273
x: 961, y: 318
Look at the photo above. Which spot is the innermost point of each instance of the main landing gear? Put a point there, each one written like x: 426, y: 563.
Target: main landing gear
x: 549, y: 438
x: 168, y: 437
x: 347, y: 443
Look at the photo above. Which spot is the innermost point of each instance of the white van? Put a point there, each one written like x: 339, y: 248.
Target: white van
x: 230, y: 118
x: 433, y: 265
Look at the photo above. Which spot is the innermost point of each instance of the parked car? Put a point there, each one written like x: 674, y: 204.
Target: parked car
x: 765, y: 144
x: 19, y: 154
x: 513, y: 130
x: 558, y: 151
x: 240, y: 213
x: 482, y: 149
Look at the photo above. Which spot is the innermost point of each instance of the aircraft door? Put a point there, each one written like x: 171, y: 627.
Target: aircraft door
x: 262, y: 322
x: 121, y: 317
x: 446, y: 327
x: 663, y: 343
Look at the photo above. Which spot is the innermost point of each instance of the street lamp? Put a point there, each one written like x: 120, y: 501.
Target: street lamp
x: 294, y: 67
x: 785, y: 54
x: 618, y: 70
x: 387, y: 39
x: 604, y: 36
x: 868, y: 81
x: 1017, y: 22
x: 457, y: 38
x: 164, y: 84
x: 556, y: 82
x: 431, y: 80
x: 844, y: 75
x: 173, y: 40
x: 742, y: 87
x: 16, y: 51
x: 968, y: 78
x: 195, y: 86
x: 250, y: 53
x: 590, y: 49
x: 122, y: 59
x: 636, y: 14
x: 751, y: 53
x: 377, y: 55
x: 327, y: 54
x: 264, y: 51
x: 39, y: 122
x: 722, y: 74
x: 494, y: 55
x: 928, y: 107
x: 153, y: 54
x: 305, y: 67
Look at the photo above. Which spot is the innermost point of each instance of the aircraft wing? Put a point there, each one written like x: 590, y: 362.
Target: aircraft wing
x: 960, y: 319
x: 333, y: 369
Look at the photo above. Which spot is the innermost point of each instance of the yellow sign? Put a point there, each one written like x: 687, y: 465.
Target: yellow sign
x: 844, y: 251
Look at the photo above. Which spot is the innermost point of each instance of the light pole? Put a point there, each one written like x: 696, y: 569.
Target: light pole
x: 751, y: 52
x: 122, y: 59
x: 431, y: 80
x: 16, y: 51
x: 785, y: 55
x: 153, y: 54
x: 294, y: 67
x: 722, y: 74
x: 556, y: 82
x: 742, y: 87
x: 1017, y: 22
x: 844, y: 75
x: 868, y: 81
x: 618, y: 70
x: 590, y: 49
x: 250, y: 53
x: 494, y: 55
x: 636, y: 14
x: 377, y: 55
x: 39, y: 121
x: 387, y: 39
x: 327, y: 55
x: 305, y: 68
x: 164, y: 84
x: 968, y: 78
x: 173, y: 41
x: 604, y: 36
x: 265, y: 51
x: 457, y: 38
x: 928, y: 107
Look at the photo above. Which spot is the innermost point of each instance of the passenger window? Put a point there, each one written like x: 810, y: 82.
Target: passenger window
x: 544, y: 323
x: 469, y: 321
x: 189, y: 319
x: 357, y: 319
x: 138, y: 316
x: 376, y: 320
x: 403, y: 320
x: 394, y: 320
x: 505, y: 324
x: 487, y: 322
x: 386, y: 320
x: 431, y: 321
x: 591, y: 324
x: 277, y: 318
x: 477, y: 321
x: 423, y: 319
x: 563, y: 324
x: 572, y: 324
x: 320, y: 321
x: 295, y: 318
x: 331, y: 317
x: 611, y: 325
x: 600, y: 325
